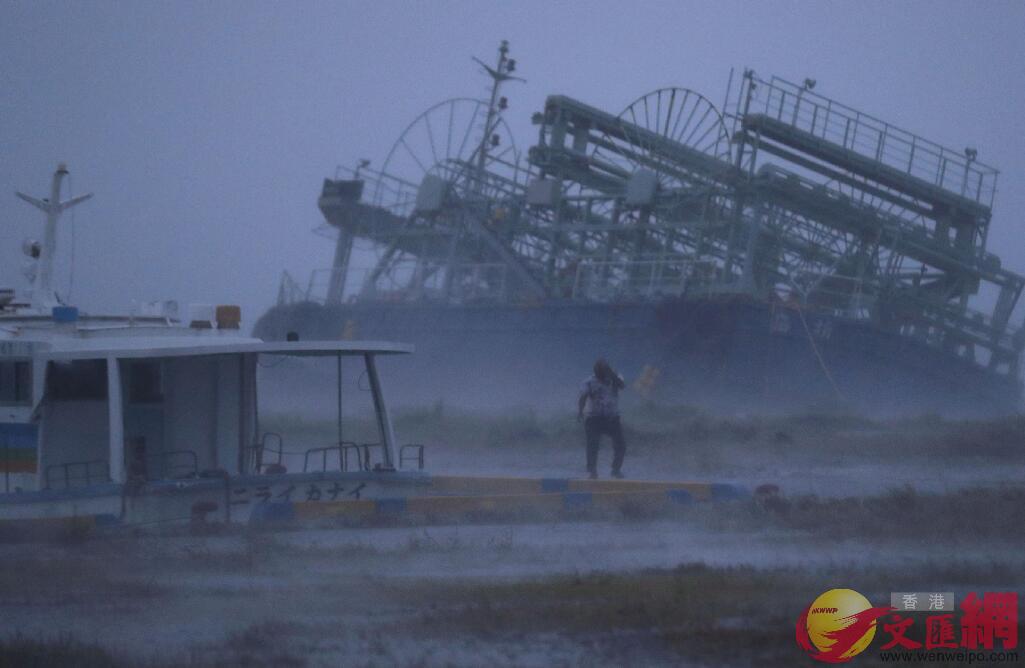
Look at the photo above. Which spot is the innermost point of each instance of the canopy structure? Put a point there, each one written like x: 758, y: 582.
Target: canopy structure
x: 123, y: 348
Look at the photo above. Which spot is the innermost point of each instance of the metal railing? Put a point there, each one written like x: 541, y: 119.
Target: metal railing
x: 82, y: 473
x: 601, y: 280
x: 478, y: 282
x: 260, y: 448
x: 418, y: 457
x: 324, y: 452
x: 954, y: 171
x: 289, y: 291
x: 469, y: 282
x: 343, y: 449
x: 362, y: 451
x: 187, y: 465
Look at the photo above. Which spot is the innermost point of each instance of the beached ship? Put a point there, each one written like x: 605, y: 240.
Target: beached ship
x: 785, y: 253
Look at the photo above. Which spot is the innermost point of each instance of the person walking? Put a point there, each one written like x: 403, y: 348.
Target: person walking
x: 600, y: 394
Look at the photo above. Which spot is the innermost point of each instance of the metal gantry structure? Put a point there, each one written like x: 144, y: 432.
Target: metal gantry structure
x: 785, y: 196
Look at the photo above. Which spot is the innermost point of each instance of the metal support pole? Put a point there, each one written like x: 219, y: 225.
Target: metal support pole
x: 115, y: 419
x: 339, y: 268
x: 754, y: 232
x: 243, y: 442
x: 338, y: 356
x: 381, y: 411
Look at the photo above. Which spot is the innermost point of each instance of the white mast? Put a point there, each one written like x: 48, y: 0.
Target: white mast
x: 43, y: 295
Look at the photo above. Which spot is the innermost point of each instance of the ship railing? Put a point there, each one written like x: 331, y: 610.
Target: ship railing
x: 289, y: 291
x: 954, y: 171
x: 175, y: 464
x: 407, y: 279
x: 323, y: 454
x: 478, y: 282
x: 847, y: 296
x: 349, y: 453
x: 268, y: 456
x: 262, y: 448
x: 417, y: 455
x: 858, y: 293
x: 487, y: 187
x: 611, y: 280
x: 74, y: 474
x: 343, y: 450
x: 972, y: 323
x: 387, y: 191
x: 400, y: 282
x: 318, y: 286
x: 506, y: 174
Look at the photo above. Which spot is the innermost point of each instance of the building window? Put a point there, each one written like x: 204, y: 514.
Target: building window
x: 78, y: 380
x: 16, y: 382
x: 145, y: 384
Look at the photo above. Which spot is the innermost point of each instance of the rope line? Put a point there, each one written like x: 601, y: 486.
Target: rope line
x: 818, y: 355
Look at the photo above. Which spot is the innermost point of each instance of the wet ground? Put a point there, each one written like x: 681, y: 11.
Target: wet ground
x: 878, y: 507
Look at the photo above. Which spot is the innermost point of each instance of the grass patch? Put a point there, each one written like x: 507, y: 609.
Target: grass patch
x: 19, y: 651
x: 693, y: 613
x: 966, y: 515
x: 262, y: 644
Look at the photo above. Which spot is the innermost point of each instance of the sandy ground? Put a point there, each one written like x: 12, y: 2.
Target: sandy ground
x: 876, y: 507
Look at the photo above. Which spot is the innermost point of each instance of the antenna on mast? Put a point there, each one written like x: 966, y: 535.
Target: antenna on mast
x: 499, y: 74
x: 43, y: 295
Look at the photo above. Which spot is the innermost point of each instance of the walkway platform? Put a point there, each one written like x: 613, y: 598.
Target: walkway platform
x: 468, y: 499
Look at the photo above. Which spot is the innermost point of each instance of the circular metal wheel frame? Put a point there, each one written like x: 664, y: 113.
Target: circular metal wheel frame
x: 677, y: 115
x: 672, y: 114
x: 445, y: 141
x: 664, y: 115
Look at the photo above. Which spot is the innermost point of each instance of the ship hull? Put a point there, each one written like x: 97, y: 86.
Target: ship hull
x: 727, y: 354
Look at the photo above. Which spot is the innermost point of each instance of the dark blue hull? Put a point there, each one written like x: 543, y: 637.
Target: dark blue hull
x: 725, y: 354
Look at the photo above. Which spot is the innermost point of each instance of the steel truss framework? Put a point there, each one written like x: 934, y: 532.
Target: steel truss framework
x: 789, y: 196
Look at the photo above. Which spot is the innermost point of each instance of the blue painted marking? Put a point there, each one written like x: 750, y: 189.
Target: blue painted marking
x: 680, y: 496
x: 572, y: 500
x: 724, y: 492
x: 107, y: 520
x: 64, y: 313
x: 272, y: 511
x: 394, y: 505
x: 554, y: 484
x: 19, y: 434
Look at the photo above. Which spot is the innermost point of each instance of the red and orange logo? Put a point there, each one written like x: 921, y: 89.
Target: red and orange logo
x: 838, y: 625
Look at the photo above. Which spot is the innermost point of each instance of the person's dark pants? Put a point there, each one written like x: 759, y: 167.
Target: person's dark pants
x: 597, y: 426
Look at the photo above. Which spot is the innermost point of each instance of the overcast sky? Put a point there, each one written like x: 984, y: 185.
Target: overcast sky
x: 205, y: 129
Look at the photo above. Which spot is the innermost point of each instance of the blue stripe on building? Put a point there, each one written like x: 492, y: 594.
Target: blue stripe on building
x: 724, y: 492
x: 574, y: 500
x: 680, y: 496
x: 390, y: 506
x: 20, y: 435
x: 272, y: 511
x: 554, y: 484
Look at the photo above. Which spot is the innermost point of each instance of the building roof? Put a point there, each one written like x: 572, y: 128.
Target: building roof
x: 149, y: 347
